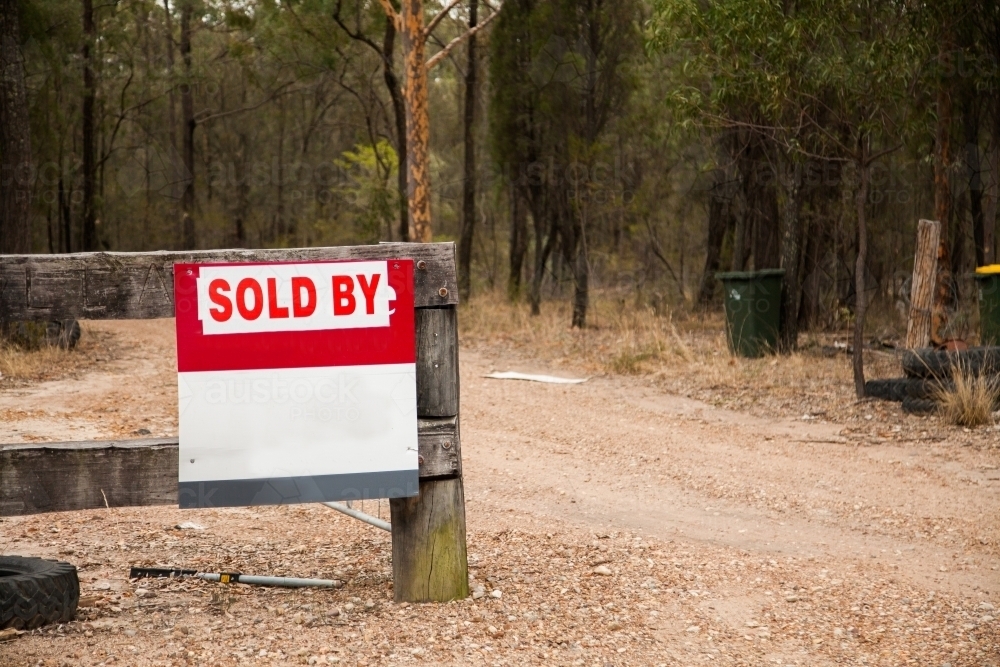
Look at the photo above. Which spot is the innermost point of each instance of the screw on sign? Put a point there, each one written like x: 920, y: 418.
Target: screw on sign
x: 296, y: 382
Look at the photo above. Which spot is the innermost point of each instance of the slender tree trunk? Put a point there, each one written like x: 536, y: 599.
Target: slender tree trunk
x: 861, y: 305
x: 65, y: 214
x: 990, y: 198
x: 418, y: 182
x: 575, y: 254
x: 581, y: 283
x: 399, y: 116
x: 168, y: 23
x: 545, y: 232
x: 739, y: 259
x: 469, y: 177
x: 718, y: 221
x: 970, y: 123
x: 942, y: 202
x: 15, y: 138
x: 791, y: 251
x: 189, y: 241
x: 87, y: 116
x: 518, y: 243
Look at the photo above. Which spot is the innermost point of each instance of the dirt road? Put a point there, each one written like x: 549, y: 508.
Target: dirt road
x: 732, y: 539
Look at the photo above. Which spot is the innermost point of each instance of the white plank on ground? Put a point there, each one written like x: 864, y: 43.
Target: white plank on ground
x: 549, y: 379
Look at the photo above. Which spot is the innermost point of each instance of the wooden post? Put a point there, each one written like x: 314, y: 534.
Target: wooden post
x: 918, y: 326
x: 429, y: 560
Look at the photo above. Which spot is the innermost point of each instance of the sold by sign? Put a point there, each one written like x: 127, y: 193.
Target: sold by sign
x: 296, y: 382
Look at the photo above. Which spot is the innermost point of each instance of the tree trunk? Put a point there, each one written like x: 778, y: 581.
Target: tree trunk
x: 943, y: 203
x: 518, y: 243
x: 861, y: 306
x: 87, y: 115
x: 168, y: 24
x: 469, y: 177
x: 15, y: 138
x: 581, y: 283
x: 718, y: 219
x: 739, y: 259
x: 970, y: 123
x: 418, y: 180
x: 399, y: 116
x: 812, y: 247
x: 544, y: 241
x: 992, y: 191
x: 187, y: 109
x: 791, y: 251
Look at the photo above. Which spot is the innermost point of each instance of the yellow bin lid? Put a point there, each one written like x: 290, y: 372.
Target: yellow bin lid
x: 985, y: 270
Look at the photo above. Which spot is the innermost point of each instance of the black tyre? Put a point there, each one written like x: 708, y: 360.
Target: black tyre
x: 925, y: 388
x: 919, y: 406
x: 887, y: 390
x: 34, y: 591
x: 938, y: 364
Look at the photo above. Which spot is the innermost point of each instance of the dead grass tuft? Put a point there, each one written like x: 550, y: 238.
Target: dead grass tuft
x: 21, y: 364
x: 970, y: 400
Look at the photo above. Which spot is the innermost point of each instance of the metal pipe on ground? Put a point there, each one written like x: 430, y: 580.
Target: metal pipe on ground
x: 231, y: 578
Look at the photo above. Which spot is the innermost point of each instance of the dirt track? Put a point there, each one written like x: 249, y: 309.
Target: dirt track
x: 732, y: 539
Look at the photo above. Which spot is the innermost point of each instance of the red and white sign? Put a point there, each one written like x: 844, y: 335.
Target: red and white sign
x: 296, y: 382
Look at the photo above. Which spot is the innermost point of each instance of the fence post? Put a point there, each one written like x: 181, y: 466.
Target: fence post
x: 429, y: 559
x: 918, y: 325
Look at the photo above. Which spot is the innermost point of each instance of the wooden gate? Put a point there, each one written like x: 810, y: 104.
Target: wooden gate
x: 428, y: 531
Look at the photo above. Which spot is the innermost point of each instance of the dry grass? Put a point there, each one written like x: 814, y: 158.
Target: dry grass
x: 20, y: 364
x: 970, y: 400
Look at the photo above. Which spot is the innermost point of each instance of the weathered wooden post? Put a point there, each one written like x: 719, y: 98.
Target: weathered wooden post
x: 428, y: 531
x: 429, y: 562
x: 918, y: 325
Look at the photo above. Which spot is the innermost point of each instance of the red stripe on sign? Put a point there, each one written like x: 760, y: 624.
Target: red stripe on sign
x: 196, y: 351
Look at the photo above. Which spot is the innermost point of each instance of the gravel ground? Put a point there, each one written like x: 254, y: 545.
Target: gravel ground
x: 610, y: 523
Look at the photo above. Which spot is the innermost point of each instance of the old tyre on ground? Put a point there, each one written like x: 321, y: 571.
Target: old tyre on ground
x: 35, y: 591
x: 919, y: 406
x: 893, y: 389
x: 899, y: 389
x: 938, y: 364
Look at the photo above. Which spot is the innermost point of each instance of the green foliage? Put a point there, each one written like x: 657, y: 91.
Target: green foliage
x: 813, y: 76
x: 368, y: 192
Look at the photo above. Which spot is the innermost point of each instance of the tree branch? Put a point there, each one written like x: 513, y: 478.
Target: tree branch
x: 392, y: 14
x: 437, y: 19
x: 440, y: 55
x: 222, y: 114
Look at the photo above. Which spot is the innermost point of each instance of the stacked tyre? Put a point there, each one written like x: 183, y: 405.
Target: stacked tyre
x: 929, y: 373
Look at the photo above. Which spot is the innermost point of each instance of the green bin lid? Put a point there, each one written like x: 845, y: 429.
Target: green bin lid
x: 749, y: 275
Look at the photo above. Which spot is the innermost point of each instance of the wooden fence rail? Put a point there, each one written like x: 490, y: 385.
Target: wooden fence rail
x: 428, y: 531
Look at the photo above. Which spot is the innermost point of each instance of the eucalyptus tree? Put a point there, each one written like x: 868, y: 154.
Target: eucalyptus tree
x: 415, y: 29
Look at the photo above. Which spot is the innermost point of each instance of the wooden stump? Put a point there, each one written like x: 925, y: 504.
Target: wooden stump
x: 429, y: 559
x: 918, y: 326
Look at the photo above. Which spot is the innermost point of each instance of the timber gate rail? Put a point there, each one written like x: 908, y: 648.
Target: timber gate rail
x: 429, y: 560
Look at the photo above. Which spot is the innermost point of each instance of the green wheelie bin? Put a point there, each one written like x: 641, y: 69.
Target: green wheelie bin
x: 753, y: 310
x: 988, y: 284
